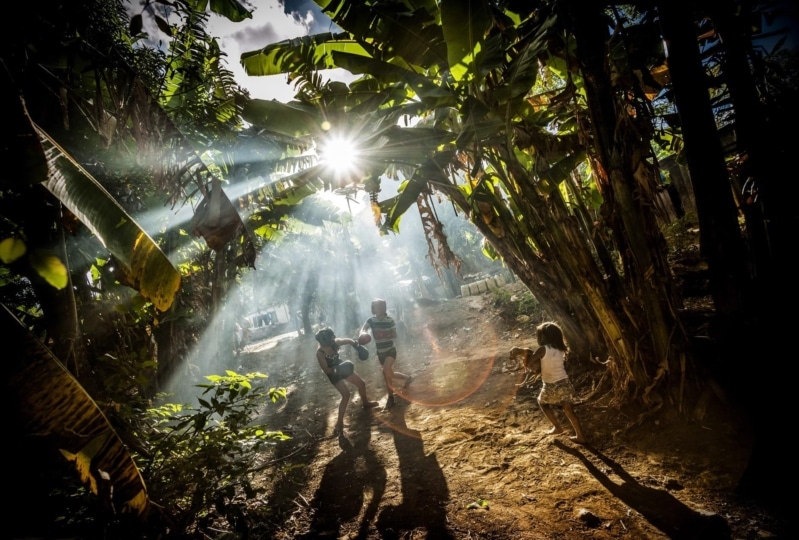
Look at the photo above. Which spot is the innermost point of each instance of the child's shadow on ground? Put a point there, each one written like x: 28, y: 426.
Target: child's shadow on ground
x: 425, y: 493
x: 658, y: 507
x: 347, y: 479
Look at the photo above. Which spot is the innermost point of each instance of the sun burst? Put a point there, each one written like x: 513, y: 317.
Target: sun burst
x: 340, y: 154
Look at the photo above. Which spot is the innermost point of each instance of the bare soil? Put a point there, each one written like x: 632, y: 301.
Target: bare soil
x: 465, y: 453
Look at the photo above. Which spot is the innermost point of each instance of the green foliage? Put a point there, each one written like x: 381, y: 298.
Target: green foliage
x: 682, y: 235
x: 527, y: 304
x: 202, y: 459
x: 500, y: 296
x: 516, y: 304
x: 47, y: 266
x: 50, y: 268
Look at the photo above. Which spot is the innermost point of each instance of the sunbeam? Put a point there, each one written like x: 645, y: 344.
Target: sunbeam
x: 330, y: 270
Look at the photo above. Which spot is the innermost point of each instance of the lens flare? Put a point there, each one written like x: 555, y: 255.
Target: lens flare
x: 340, y: 154
x: 450, y: 377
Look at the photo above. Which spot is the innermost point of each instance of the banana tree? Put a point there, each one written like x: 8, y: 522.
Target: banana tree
x: 140, y: 260
x: 79, y: 112
x: 76, y: 428
x: 502, y: 137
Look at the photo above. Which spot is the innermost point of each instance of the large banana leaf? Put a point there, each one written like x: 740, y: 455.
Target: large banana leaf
x: 406, y: 33
x: 146, y: 267
x: 49, y: 406
x: 464, y: 24
x: 300, y: 54
x: 232, y: 9
x: 522, y: 73
x: 390, y: 73
x: 291, y: 119
x: 411, y: 145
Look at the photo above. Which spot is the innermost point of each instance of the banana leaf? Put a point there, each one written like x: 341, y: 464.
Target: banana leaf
x: 405, y: 32
x: 231, y: 9
x: 52, y: 410
x: 305, y: 53
x: 290, y: 119
x: 390, y: 73
x: 464, y: 24
x: 430, y: 170
x: 551, y: 178
x: 145, y: 266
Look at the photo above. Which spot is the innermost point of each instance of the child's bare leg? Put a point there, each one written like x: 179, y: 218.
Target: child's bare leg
x: 575, y: 422
x: 361, y: 386
x: 342, y: 406
x: 550, y: 414
x: 389, y: 374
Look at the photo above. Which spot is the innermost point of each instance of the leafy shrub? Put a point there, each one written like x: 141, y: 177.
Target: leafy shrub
x: 516, y: 303
x: 527, y: 304
x: 201, y: 460
x: 500, y: 297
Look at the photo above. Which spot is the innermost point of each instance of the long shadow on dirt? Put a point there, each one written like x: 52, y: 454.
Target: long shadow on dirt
x: 350, y: 477
x: 423, y: 487
x: 658, y: 507
x: 288, y: 465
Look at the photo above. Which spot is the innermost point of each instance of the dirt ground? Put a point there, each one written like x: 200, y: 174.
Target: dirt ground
x: 465, y: 454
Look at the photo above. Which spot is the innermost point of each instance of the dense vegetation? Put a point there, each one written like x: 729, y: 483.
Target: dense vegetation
x: 570, y: 136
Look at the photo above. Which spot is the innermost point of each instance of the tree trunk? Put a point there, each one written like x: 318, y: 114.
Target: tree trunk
x: 59, y: 307
x: 767, y: 205
x: 720, y: 235
x: 647, y: 314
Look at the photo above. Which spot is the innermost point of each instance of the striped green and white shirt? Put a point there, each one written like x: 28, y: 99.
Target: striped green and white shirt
x: 383, y: 330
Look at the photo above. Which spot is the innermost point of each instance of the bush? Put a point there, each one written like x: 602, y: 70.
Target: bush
x: 201, y: 460
x: 513, y: 304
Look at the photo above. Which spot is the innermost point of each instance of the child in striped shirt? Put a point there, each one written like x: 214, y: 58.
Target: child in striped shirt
x: 384, y: 331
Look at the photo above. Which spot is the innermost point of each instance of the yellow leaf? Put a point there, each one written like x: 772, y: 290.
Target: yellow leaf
x: 11, y: 249
x: 51, y: 269
x: 83, y: 461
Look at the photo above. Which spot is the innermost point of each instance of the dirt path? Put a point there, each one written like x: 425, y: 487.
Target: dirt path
x: 466, y: 455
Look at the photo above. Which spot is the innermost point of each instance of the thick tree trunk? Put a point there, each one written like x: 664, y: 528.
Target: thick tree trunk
x: 628, y: 184
x: 720, y: 235
x: 768, y: 206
